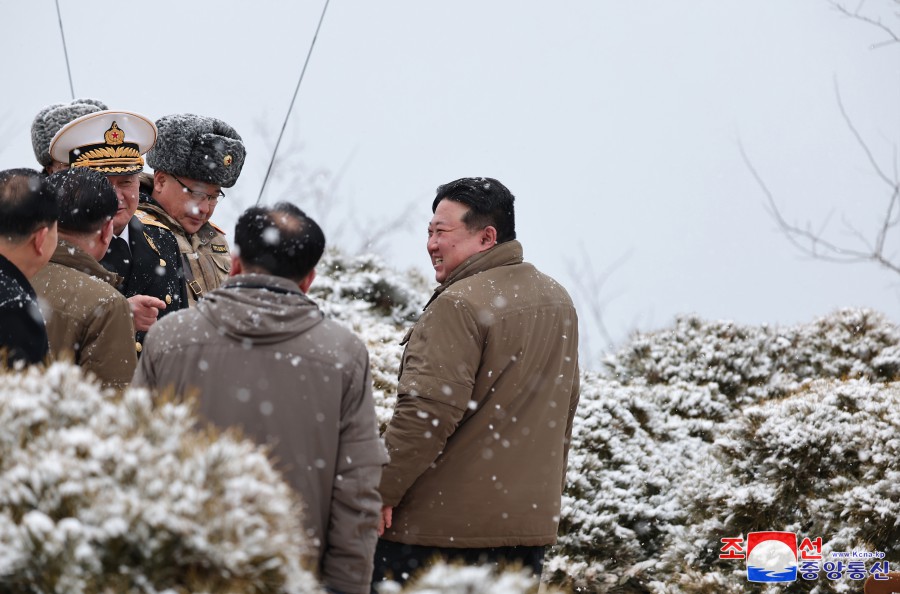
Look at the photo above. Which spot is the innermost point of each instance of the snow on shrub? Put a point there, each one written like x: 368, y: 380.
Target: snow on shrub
x: 627, y: 459
x: 379, y: 305
x: 711, y: 430
x: 821, y: 462
x: 749, y: 363
x: 107, y: 493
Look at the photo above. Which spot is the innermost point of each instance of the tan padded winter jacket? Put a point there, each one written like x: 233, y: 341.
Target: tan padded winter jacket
x: 488, y: 389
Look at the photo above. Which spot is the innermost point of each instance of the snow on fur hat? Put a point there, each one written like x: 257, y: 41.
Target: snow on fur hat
x: 49, y: 120
x: 107, y: 141
x: 198, y: 147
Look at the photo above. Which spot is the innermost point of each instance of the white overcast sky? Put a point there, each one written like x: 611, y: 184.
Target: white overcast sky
x: 616, y: 124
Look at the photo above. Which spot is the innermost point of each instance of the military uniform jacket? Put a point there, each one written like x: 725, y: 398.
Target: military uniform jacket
x: 86, y: 316
x: 205, y: 258
x: 155, y: 266
x: 22, y: 331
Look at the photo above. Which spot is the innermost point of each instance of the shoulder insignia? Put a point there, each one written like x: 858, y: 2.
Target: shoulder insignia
x: 219, y: 249
x: 149, y: 219
x: 152, y: 245
x: 216, y: 227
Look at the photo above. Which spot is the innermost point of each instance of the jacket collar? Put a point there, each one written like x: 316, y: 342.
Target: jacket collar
x: 277, y: 284
x: 72, y: 256
x: 7, y: 268
x: 504, y: 254
x: 148, y: 204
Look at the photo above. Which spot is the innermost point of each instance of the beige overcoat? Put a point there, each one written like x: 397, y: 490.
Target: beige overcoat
x: 87, y: 318
x: 488, y: 388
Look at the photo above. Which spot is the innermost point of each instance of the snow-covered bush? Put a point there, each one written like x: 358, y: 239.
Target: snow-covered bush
x: 665, y: 465
x: 107, y: 493
x: 628, y: 457
x: 379, y: 305
x: 364, y: 284
x: 750, y: 363
x: 822, y: 462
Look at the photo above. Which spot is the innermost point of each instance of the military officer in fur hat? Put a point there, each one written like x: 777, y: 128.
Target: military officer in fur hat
x: 193, y: 159
x: 143, y: 252
x: 47, y: 123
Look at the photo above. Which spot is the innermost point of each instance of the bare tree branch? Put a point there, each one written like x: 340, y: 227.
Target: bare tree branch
x: 318, y: 191
x: 588, y: 285
x: 857, y: 14
x: 869, y: 247
x: 814, y: 244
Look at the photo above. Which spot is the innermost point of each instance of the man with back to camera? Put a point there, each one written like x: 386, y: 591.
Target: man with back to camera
x: 193, y: 159
x: 28, y: 215
x: 488, y: 387
x: 87, y: 317
x: 143, y: 253
x: 262, y: 357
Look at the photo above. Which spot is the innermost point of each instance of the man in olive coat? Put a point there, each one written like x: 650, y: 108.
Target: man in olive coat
x: 87, y: 318
x: 488, y: 387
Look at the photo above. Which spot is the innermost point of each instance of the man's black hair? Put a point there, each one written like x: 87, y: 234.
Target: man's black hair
x: 86, y: 199
x: 26, y: 204
x: 490, y: 204
x: 280, y: 240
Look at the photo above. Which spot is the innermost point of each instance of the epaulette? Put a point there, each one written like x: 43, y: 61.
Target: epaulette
x: 216, y: 227
x: 149, y: 219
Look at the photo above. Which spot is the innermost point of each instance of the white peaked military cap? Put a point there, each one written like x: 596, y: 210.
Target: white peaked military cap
x: 110, y: 142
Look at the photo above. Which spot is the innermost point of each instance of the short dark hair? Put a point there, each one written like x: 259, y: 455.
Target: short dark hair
x: 280, y: 240
x: 26, y: 203
x: 86, y: 199
x: 490, y: 204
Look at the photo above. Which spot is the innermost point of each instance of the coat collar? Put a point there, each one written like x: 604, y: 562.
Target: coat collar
x: 9, y: 269
x: 262, y: 281
x: 206, y: 232
x: 72, y: 256
x: 503, y: 254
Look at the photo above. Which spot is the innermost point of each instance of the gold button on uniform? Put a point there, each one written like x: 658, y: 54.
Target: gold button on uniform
x: 168, y: 300
x: 162, y: 262
x: 138, y: 347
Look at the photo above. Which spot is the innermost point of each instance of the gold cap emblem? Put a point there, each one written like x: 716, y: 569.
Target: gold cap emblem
x: 228, y: 160
x: 114, y: 135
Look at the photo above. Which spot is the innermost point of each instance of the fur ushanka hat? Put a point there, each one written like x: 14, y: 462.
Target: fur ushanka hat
x: 198, y: 147
x: 49, y: 120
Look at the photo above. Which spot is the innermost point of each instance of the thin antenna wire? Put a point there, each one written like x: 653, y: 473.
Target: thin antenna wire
x: 65, y: 50
x: 291, y: 107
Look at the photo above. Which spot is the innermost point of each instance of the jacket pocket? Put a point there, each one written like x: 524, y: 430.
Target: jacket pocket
x: 222, y: 262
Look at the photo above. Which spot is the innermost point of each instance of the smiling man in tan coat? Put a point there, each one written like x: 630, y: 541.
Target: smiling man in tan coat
x: 487, y: 393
